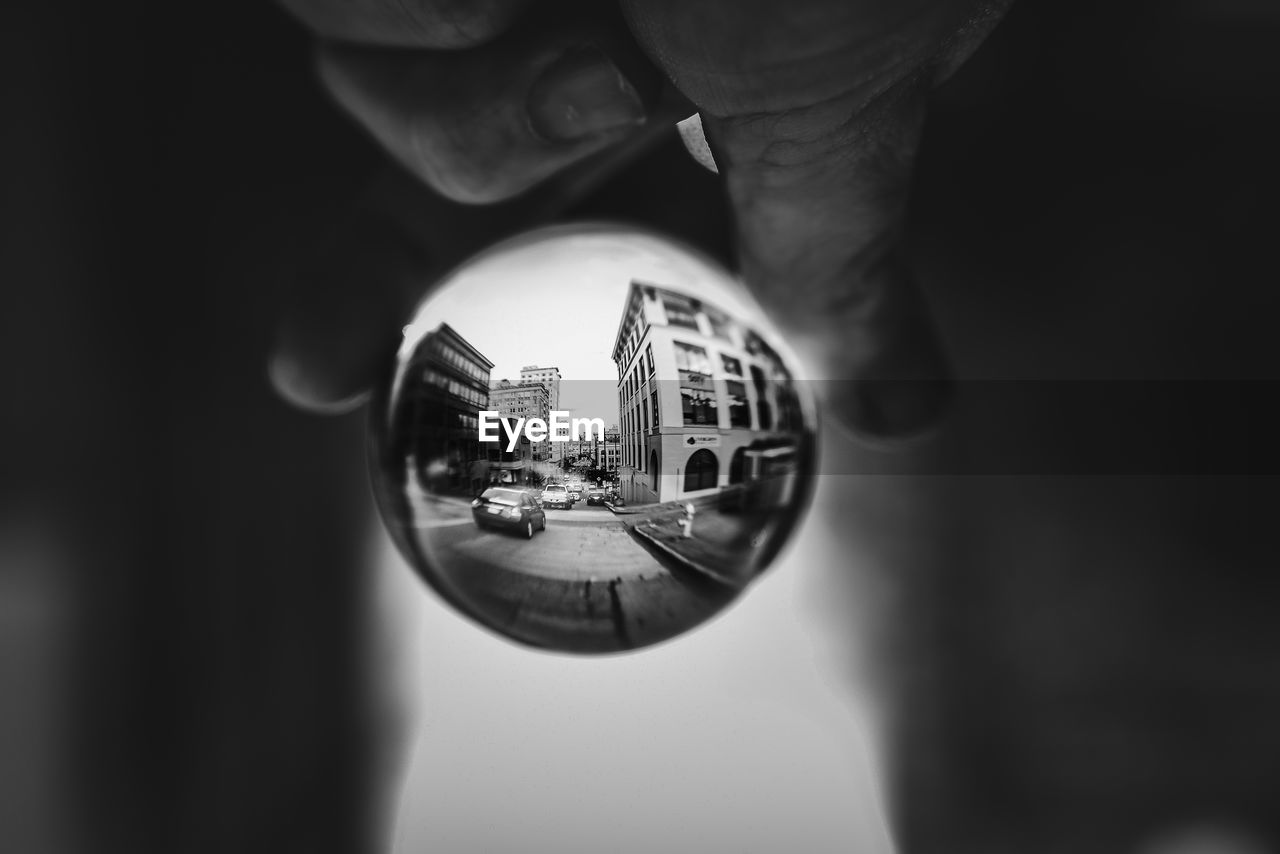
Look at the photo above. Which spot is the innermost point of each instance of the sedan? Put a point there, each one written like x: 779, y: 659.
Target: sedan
x: 509, y: 509
x: 596, y: 496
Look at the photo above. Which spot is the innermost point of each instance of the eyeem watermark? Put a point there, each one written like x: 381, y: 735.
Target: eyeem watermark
x: 538, y: 430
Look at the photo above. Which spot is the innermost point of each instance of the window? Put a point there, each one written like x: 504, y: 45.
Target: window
x: 739, y: 410
x: 653, y: 401
x: 701, y: 471
x: 680, y: 311
x: 653, y: 470
x: 789, y: 412
x: 648, y: 355
x: 764, y: 415
x: 731, y: 365
x: 691, y: 358
x: 698, y: 407
x: 719, y: 323
x: 698, y: 400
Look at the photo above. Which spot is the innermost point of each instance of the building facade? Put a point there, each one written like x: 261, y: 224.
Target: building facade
x: 702, y: 398
x: 451, y: 387
x: 596, y: 453
x: 609, y: 452
x: 548, y: 378
x: 519, y: 400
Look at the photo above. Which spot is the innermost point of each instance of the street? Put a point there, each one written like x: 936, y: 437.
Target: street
x: 585, y: 582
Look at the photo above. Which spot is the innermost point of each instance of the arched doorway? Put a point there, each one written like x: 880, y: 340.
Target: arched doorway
x: 701, y: 471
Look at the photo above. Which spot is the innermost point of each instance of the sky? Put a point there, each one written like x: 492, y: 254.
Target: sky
x: 558, y: 303
x: 544, y: 311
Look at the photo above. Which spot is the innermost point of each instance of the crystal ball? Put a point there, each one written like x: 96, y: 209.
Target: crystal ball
x: 591, y: 439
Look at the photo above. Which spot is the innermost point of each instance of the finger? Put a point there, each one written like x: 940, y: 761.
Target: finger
x: 813, y: 111
x: 484, y: 125
x: 358, y: 281
x: 819, y: 208
x: 433, y: 24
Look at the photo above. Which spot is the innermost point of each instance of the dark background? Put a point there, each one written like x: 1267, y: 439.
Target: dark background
x: 201, y: 657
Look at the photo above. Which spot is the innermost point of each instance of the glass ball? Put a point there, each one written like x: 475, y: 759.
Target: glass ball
x: 592, y: 439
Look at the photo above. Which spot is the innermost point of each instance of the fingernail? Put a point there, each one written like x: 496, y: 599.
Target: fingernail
x: 582, y: 94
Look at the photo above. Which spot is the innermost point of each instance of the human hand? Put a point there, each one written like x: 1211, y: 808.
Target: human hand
x: 492, y: 104
x: 1023, y: 592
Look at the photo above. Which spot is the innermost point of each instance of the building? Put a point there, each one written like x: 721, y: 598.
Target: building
x: 514, y: 467
x: 704, y: 402
x: 447, y: 386
x: 600, y: 454
x: 609, y: 452
x: 522, y: 400
x: 548, y: 378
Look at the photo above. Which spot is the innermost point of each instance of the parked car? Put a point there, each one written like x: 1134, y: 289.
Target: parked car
x: 508, y: 509
x: 596, y: 496
x: 556, y: 495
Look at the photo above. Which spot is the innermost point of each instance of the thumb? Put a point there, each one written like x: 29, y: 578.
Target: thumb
x: 813, y: 110
x: 819, y: 200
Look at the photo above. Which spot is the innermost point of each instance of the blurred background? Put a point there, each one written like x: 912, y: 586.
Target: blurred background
x: 207, y: 645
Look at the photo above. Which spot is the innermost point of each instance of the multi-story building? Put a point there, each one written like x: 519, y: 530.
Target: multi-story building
x: 609, y: 452
x: 548, y: 378
x: 701, y: 398
x: 522, y: 400
x: 449, y: 387
x: 602, y: 454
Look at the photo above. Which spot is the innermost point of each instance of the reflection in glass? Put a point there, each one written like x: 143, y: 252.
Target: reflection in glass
x: 590, y: 441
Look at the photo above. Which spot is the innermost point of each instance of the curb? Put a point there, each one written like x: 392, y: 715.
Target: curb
x: 683, y: 559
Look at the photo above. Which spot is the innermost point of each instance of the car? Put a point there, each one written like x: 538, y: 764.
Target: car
x: 575, y: 491
x: 555, y: 495
x: 508, y: 509
x: 596, y: 496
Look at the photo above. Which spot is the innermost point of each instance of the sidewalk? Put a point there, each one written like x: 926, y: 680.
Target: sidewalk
x: 723, y: 546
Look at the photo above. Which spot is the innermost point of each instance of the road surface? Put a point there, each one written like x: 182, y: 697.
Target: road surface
x: 584, y: 583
